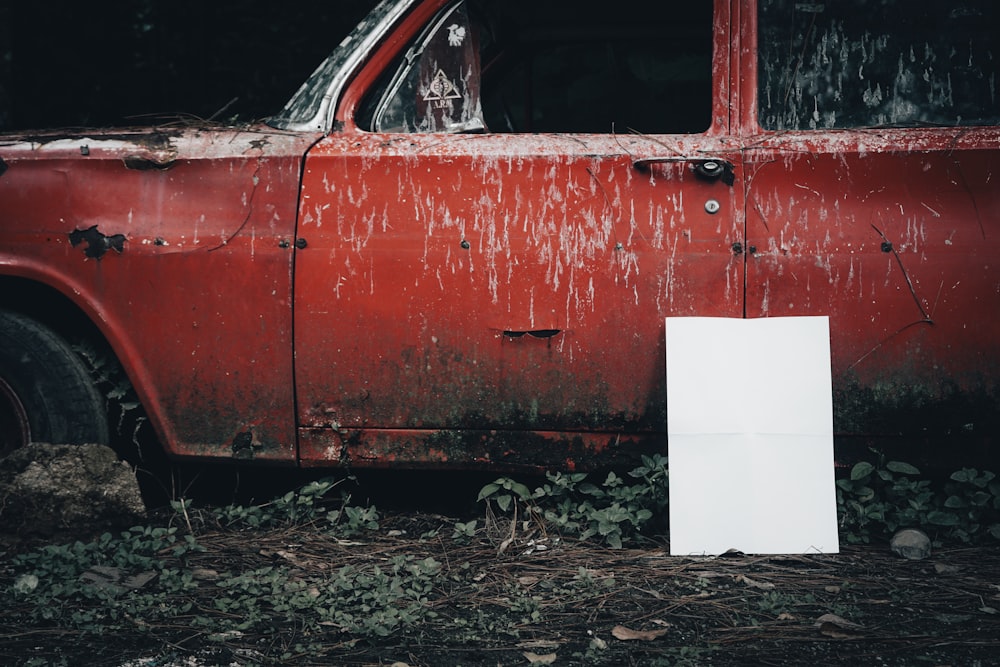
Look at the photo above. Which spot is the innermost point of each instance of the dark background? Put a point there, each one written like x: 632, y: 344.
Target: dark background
x: 134, y: 62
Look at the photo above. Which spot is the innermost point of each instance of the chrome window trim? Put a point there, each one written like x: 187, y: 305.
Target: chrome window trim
x: 310, y: 111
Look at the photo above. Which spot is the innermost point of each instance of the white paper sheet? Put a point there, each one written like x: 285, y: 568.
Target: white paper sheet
x: 750, y: 436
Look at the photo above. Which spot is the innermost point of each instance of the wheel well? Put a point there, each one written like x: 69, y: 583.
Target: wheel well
x: 56, y: 311
x: 51, y: 308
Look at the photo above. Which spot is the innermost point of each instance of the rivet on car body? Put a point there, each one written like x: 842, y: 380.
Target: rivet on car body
x: 712, y: 206
x: 301, y: 243
x: 737, y: 248
x: 886, y: 246
x: 465, y: 244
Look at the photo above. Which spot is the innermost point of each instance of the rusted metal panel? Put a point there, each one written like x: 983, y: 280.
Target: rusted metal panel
x: 498, y: 300
x: 891, y: 233
x: 177, y: 243
x: 433, y: 261
x: 471, y: 448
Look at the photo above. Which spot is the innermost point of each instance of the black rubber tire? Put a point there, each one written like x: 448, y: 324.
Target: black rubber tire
x: 46, y: 393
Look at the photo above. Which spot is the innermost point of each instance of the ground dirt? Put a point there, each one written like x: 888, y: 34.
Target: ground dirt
x: 517, y: 595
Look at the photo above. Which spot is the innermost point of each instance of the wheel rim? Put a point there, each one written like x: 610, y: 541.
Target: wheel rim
x: 15, y: 431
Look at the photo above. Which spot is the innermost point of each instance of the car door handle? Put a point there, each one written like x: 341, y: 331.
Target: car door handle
x: 710, y: 169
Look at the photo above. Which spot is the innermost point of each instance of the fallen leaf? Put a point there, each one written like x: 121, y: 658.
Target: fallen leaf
x: 137, y: 581
x: 988, y: 610
x: 204, y: 573
x: 763, y: 585
x: 832, y: 589
x: 836, y: 632
x: 536, y: 659
x: 941, y: 568
x: 785, y: 616
x: 699, y: 594
x: 831, y: 625
x: 838, y: 621
x: 627, y: 634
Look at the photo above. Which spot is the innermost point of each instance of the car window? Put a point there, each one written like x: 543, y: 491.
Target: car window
x: 436, y: 87
x: 865, y: 63
x: 557, y: 66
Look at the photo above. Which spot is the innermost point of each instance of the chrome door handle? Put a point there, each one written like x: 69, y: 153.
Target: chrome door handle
x: 711, y: 169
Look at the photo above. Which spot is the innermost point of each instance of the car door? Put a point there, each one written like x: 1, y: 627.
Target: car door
x: 873, y: 198
x: 516, y: 196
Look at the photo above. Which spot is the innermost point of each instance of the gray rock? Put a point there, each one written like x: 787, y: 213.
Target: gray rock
x: 67, y: 489
x: 911, y: 544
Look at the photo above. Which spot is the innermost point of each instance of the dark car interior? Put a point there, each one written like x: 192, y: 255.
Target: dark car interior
x: 556, y: 66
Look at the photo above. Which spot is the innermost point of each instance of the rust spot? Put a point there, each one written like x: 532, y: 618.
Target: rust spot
x: 243, y: 445
x: 145, y: 163
x: 97, y: 243
x: 520, y: 451
x: 153, y: 140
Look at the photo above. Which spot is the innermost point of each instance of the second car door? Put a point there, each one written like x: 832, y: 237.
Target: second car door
x: 517, y: 197
x: 873, y: 198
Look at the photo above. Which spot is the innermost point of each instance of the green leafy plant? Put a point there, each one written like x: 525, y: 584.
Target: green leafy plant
x: 464, y: 532
x: 302, y: 506
x: 505, y: 492
x: 352, y: 520
x: 615, y: 511
x: 875, y: 501
x: 144, y: 576
x: 971, y: 505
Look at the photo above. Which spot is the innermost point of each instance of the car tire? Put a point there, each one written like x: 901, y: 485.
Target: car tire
x: 46, y: 392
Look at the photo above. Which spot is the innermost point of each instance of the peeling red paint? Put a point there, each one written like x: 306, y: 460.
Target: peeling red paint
x: 198, y: 305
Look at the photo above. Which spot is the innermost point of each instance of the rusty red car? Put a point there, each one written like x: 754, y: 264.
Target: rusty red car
x: 457, y: 244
